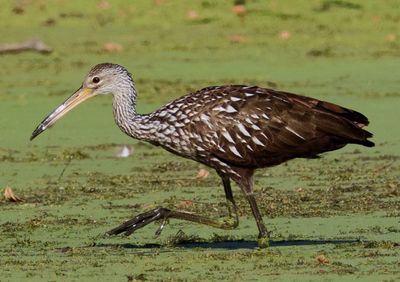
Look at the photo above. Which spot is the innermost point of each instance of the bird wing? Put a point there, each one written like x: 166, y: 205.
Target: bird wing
x: 253, y: 126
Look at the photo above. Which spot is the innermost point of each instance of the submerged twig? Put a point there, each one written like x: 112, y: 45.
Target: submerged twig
x: 33, y: 44
x: 64, y: 169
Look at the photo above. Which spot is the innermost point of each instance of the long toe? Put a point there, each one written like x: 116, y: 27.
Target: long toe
x: 135, y: 223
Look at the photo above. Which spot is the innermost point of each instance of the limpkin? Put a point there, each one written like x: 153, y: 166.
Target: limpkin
x: 233, y: 129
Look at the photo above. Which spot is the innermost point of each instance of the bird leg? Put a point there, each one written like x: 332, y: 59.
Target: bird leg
x: 246, y: 184
x: 263, y: 238
x: 164, y: 214
x: 231, y: 202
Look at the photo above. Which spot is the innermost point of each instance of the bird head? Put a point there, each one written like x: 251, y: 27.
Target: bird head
x: 102, y: 79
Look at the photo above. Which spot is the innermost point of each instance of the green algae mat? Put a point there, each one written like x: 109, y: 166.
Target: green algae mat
x: 331, y: 219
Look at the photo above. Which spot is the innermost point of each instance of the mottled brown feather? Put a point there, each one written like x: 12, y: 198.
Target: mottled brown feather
x: 287, y: 125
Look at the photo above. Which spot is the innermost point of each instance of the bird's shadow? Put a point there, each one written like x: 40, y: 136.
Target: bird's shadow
x: 233, y: 244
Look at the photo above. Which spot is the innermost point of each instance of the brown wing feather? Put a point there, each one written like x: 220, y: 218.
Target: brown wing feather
x: 252, y: 126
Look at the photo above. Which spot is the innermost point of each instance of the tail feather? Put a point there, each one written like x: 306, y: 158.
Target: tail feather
x: 327, y: 107
x: 365, y: 143
x: 346, y: 124
x: 351, y: 115
x: 342, y: 122
x: 363, y: 139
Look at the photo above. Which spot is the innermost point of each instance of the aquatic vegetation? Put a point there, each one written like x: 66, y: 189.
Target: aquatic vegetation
x: 332, y: 219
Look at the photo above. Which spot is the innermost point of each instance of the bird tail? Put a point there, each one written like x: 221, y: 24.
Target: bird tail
x: 345, y: 123
x: 365, y: 142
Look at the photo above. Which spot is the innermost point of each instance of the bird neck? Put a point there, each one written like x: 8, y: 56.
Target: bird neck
x: 126, y: 117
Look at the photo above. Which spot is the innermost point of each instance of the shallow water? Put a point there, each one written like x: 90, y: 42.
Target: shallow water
x: 344, y: 206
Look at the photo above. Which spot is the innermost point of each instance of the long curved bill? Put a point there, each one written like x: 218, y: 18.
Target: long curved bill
x: 82, y: 94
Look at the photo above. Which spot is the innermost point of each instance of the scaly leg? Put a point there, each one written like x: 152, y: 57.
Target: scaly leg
x: 161, y: 213
x: 246, y: 184
x: 263, y: 238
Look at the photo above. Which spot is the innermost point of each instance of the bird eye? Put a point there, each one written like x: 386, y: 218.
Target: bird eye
x: 96, y: 79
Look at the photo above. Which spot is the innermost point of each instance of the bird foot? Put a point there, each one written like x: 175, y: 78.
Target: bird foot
x: 140, y: 221
x: 263, y: 242
x: 161, y: 227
